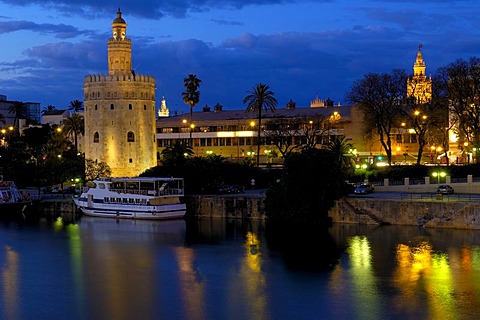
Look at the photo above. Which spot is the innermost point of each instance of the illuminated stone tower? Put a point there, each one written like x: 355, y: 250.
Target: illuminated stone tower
x: 120, y: 111
x: 419, y: 86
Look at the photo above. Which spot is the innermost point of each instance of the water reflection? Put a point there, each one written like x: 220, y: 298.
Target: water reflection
x: 10, y: 285
x: 222, y: 269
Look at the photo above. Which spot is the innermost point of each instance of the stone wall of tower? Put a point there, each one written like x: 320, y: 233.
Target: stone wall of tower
x: 114, y: 106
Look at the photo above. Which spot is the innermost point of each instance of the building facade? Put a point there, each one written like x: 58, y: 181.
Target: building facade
x: 120, y: 111
x: 31, y: 112
x: 233, y: 133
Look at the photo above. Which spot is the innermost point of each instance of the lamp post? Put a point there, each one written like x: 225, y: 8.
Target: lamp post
x: 192, y: 126
x: 437, y: 174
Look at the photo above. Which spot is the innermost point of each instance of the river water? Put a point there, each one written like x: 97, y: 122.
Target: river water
x: 217, y: 269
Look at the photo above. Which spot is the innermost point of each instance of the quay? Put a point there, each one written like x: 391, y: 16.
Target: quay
x: 417, y: 207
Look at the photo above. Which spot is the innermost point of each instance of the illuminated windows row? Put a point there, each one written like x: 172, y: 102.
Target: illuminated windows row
x: 130, y: 137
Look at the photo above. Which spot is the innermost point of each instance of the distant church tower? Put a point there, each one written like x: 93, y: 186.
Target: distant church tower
x: 419, y: 86
x: 163, y: 111
x: 120, y: 111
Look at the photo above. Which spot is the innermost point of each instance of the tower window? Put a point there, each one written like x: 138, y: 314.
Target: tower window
x: 130, y: 160
x: 96, y: 137
x: 96, y: 107
x: 130, y: 136
x: 144, y: 107
x: 112, y: 107
x: 130, y: 106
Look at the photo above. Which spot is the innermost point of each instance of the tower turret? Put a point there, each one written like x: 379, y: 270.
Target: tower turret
x: 119, y: 48
x: 419, y: 86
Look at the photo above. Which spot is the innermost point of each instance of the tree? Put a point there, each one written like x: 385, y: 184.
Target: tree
x: 73, y: 126
x: 341, y: 149
x: 282, y: 133
x: 48, y: 109
x: 260, y: 98
x: 176, y: 153
x: 426, y: 115
x: 379, y: 96
x: 76, y: 106
x: 463, y: 84
x: 18, y: 108
x: 191, y: 95
x: 95, y: 170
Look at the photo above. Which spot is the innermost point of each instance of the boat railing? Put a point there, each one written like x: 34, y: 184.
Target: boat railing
x: 154, y: 193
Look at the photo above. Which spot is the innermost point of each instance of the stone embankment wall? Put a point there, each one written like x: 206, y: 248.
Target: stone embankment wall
x: 57, y: 206
x: 459, y: 215
x: 235, y: 206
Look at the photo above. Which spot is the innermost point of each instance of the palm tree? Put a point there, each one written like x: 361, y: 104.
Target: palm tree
x: 76, y: 106
x: 342, y: 148
x: 74, y: 125
x: 49, y: 108
x: 19, y: 109
x: 176, y: 153
x: 261, y: 97
x: 191, y: 95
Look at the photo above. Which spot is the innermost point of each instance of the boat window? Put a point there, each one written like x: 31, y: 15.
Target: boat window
x: 131, y: 200
x: 112, y: 199
x: 125, y: 200
x: 101, y: 185
x: 105, y: 199
x: 119, y: 200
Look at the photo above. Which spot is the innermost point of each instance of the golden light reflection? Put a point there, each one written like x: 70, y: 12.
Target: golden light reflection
x: 419, y: 266
x: 363, y: 277
x: 58, y: 224
x: 191, y: 285
x: 252, y: 250
x: 251, y: 280
x: 76, y: 258
x: 10, y: 283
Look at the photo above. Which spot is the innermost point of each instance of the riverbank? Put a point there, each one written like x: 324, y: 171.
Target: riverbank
x: 425, y: 212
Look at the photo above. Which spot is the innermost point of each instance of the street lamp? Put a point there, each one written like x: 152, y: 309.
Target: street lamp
x: 437, y: 174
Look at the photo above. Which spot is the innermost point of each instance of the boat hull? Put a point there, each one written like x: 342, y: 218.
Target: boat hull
x: 176, y: 211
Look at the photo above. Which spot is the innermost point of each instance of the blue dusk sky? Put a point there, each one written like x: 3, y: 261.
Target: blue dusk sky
x: 301, y: 48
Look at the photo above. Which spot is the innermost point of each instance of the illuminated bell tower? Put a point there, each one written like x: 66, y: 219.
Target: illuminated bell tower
x: 120, y: 110
x: 419, y: 86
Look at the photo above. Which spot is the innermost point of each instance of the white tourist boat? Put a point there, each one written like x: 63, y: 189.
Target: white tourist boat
x: 133, y: 198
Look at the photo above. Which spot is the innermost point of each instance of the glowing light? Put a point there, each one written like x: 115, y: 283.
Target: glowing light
x: 184, y: 121
x: 252, y: 124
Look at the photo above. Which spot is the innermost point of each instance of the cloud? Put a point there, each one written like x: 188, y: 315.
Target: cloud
x: 60, y: 31
x: 151, y: 9
x: 227, y: 22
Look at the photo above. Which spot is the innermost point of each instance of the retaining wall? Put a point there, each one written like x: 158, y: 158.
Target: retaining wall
x: 458, y: 215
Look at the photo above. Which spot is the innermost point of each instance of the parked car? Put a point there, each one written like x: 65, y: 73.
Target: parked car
x: 364, y: 188
x: 232, y: 189
x: 445, y: 189
x: 72, y: 189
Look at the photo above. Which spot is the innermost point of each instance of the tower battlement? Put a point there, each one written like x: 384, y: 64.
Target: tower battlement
x: 93, y: 78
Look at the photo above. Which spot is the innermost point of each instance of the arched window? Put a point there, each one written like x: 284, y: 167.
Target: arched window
x: 95, y: 107
x: 144, y: 107
x: 130, y: 106
x: 96, y: 137
x: 130, y: 160
x: 130, y: 136
x: 112, y: 107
